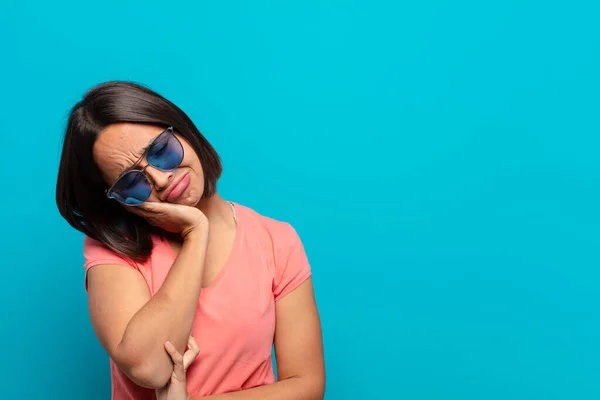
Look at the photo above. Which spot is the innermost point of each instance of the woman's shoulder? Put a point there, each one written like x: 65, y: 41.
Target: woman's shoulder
x: 95, y: 252
x: 278, y: 236
x: 275, y: 229
x: 291, y: 266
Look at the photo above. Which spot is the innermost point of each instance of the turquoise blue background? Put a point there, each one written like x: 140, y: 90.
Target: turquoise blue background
x: 438, y: 158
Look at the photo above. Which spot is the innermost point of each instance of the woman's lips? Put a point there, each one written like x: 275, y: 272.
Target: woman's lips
x: 179, y: 188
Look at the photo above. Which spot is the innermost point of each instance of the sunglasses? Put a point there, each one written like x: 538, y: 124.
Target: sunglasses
x: 133, y: 187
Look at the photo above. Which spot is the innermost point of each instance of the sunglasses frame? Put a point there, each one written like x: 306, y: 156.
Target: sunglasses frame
x: 109, y: 192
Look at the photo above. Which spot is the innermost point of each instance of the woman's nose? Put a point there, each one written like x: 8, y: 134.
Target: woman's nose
x: 160, y: 179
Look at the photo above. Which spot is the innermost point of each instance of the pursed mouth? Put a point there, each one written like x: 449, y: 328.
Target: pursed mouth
x: 169, y: 190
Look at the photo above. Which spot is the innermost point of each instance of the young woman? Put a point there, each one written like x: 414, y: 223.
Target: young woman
x: 166, y: 257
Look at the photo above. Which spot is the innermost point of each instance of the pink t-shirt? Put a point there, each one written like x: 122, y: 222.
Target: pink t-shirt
x: 235, y: 320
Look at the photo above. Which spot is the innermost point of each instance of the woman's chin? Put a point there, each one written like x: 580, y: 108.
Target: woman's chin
x: 189, y: 200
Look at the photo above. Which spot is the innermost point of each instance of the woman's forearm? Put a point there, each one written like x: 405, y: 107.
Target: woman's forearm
x: 297, y: 388
x: 168, y: 315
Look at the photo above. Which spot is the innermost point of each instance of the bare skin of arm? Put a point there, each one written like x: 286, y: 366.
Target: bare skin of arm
x: 132, y: 326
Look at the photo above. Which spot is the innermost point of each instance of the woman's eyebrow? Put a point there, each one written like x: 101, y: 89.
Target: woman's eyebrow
x: 144, y: 151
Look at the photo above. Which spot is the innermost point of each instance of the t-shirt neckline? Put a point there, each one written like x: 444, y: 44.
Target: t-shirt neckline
x: 232, y: 253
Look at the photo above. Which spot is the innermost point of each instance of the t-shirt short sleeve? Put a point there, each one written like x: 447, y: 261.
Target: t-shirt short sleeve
x: 95, y: 253
x: 291, y: 264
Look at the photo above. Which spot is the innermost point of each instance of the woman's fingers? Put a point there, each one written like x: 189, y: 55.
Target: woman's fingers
x: 191, y: 353
x: 151, y: 207
x: 181, y: 363
x: 174, y: 218
x: 178, y: 363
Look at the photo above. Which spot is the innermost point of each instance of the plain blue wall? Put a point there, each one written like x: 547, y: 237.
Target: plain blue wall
x: 438, y: 158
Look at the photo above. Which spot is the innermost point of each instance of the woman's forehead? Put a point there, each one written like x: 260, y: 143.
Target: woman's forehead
x: 120, y: 134
x: 119, y: 146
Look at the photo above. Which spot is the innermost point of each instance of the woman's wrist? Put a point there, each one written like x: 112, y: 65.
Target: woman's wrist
x: 197, y: 233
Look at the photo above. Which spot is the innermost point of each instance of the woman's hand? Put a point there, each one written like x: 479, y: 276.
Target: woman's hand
x: 176, y: 388
x: 174, y: 218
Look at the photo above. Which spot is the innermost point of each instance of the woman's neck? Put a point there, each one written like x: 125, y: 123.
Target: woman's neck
x: 216, y: 209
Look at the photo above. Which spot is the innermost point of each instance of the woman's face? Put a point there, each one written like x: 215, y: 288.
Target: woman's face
x: 120, y: 146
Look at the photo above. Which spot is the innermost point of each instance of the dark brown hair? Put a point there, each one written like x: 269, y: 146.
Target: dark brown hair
x: 80, y: 189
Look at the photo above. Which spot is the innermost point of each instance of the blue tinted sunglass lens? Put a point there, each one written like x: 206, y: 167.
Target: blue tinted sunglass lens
x: 166, y: 153
x: 132, y: 189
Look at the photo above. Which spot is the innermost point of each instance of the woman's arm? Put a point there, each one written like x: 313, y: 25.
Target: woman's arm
x: 298, y: 349
x: 133, y: 326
